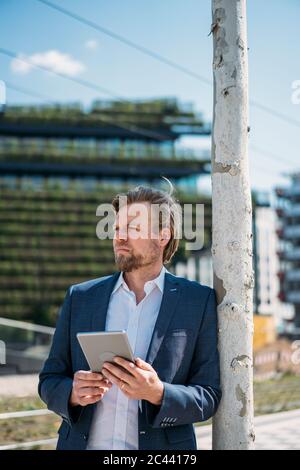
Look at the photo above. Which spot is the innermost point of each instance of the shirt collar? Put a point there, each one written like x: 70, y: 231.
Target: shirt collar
x: 158, y: 281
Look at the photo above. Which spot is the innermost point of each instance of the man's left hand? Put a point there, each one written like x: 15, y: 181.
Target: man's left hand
x: 138, y: 381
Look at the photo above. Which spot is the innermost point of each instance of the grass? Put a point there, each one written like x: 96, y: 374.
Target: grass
x: 10, y: 404
x: 273, y: 396
x: 26, y: 429
x: 281, y: 394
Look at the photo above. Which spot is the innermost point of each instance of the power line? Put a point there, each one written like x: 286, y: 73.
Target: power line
x: 275, y: 113
x: 90, y: 85
x: 271, y: 155
x: 124, y: 126
x: 255, y: 148
x: 161, y: 58
x: 128, y: 42
x: 26, y: 91
x: 79, y: 81
x: 33, y: 94
x: 265, y: 170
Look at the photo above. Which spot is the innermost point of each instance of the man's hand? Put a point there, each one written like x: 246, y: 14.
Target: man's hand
x: 138, y: 381
x: 88, y: 387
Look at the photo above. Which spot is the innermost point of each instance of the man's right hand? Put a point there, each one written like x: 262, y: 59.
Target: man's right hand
x: 88, y: 387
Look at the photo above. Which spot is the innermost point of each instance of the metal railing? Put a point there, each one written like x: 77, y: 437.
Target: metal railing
x: 26, y: 414
x: 26, y: 326
x: 27, y: 345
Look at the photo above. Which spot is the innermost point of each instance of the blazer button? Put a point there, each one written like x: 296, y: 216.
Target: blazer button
x: 85, y: 437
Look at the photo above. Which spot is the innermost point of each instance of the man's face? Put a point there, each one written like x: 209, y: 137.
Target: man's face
x: 136, y: 243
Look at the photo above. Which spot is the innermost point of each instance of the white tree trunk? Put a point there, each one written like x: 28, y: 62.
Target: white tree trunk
x: 232, y: 226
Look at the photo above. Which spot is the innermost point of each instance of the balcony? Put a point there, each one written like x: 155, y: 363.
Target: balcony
x: 292, y: 211
x: 291, y: 233
x: 48, y: 242
x: 293, y: 275
x: 70, y: 150
x: 293, y: 254
x: 293, y: 297
x: 109, y: 161
x: 289, y: 192
x: 153, y: 120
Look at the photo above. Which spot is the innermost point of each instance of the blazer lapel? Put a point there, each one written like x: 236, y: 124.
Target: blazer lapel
x: 166, y: 312
x: 98, y: 318
x: 167, y: 309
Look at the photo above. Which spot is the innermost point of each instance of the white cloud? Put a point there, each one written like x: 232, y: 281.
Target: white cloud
x: 18, y: 66
x: 91, y: 44
x: 53, y: 60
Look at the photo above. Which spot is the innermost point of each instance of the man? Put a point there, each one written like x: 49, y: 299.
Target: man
x: 172, y: 328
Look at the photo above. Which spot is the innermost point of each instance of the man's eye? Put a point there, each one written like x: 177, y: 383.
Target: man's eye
x: 135, y: 228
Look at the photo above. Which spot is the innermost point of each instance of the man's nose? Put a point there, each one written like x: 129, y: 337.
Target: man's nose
x: 121, y: 234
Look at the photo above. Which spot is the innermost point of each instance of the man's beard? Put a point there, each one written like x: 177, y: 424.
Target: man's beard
x: 131, y: 261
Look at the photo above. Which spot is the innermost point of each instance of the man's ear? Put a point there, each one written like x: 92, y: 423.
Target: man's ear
x: 165, y: 236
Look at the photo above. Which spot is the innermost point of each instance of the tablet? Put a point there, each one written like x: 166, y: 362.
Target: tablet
x: 100, y: 347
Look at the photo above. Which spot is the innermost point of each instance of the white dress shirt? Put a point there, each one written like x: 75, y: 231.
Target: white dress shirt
x: 115, y: 420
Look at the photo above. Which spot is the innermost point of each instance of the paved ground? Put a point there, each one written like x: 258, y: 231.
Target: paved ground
x: 18, y: 385
x: 277, y: 431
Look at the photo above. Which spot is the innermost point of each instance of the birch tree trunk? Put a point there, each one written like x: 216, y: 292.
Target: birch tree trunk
x: 232, y: 226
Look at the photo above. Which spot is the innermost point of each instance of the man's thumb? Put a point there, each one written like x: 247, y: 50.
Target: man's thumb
x: 142, y: 364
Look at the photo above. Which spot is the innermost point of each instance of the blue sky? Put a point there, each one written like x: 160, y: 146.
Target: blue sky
x: 177, y: 29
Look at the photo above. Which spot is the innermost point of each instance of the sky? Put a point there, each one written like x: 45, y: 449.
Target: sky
x: 177, y: 30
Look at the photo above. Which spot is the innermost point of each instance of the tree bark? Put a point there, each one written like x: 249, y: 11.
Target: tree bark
x: 232, y: 226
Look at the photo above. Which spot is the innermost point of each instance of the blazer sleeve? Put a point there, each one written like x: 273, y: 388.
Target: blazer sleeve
x: 56, y: 377
x: 199, y: 398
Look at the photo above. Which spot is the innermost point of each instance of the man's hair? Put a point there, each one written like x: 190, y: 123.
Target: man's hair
x: 170, y: 210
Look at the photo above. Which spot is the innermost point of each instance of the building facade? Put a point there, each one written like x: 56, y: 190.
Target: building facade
x: 267, y: 299
x: 57, y: 164
x: 288, y: 211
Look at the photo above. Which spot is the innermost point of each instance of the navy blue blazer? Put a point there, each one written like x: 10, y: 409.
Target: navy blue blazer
x: 183, y: 351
